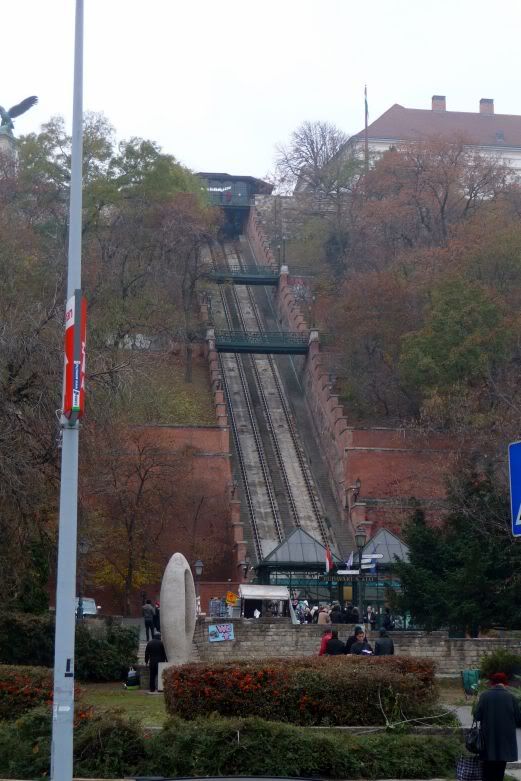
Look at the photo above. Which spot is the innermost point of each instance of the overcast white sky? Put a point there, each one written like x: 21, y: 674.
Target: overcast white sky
x: 218, y: 83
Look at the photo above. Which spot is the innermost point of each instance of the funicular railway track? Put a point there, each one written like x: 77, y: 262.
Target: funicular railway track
x: 263, y: 510
x: 299, y: 488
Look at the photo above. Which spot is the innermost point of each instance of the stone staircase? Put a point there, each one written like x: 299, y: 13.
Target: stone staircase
x: 194, y: 655
x: 141, y: 653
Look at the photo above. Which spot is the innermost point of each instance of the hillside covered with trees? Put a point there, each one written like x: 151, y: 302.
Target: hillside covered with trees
x: 145, y: 221
x: 419, y: 279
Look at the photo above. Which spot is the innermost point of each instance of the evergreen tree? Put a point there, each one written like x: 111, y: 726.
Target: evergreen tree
x: 466, y: 574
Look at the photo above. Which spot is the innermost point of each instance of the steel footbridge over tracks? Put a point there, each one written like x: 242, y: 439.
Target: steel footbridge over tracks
x: 276, y: 479
x: 261, y: 342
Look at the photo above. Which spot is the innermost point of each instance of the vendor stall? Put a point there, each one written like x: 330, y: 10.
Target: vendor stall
x: 258, y: 600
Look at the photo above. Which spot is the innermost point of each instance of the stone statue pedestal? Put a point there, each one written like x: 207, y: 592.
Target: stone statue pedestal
x: 161, y: 667
x: 7, y: 146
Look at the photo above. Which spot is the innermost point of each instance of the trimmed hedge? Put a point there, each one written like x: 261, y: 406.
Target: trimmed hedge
x: 110, y: 746
x: 23, y: 688
x: 29, y: 640
x: 341, y: 690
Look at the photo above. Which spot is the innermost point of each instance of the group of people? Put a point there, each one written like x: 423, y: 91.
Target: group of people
x: 152, y: 616
x: 336, y: 614
x: 356, y: 644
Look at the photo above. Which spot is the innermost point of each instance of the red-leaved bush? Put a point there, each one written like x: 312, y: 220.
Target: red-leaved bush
x: 23, y: 688
x: 341, y: 690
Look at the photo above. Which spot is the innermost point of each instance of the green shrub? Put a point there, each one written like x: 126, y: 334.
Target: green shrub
x: 105, y: 745
x: 29, y: 640
x: 105, y: 658
x: 216, y: 746
x: 31, y: 734
x: 309, y: 690
x: 23, y: 688
x: 109, y: 746
x: 500, y: 661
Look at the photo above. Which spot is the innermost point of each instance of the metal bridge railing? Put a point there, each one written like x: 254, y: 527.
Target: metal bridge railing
x: 246, y: 271
x: 264, y: 338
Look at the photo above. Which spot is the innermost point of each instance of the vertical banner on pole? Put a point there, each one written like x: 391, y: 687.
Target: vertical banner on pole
x: 73, y: 405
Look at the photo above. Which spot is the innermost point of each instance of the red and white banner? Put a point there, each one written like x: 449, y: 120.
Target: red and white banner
x: 73, y: 404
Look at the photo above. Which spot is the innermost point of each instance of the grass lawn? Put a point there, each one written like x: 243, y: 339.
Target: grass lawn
x: 158, y: 393
x: 149, y: 709
x: 451, y: 692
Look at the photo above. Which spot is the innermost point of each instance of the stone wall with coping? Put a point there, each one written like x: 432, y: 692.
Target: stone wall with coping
x: 217, y: 385
x: 393, y: 463
x: 262, y: 639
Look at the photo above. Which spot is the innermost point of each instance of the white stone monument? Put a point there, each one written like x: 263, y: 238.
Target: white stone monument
x: 177, y: 610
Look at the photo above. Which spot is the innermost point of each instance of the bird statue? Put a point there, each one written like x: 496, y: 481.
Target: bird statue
x: 6, y: 125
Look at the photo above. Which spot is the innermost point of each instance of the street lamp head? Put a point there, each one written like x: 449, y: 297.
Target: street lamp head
x: 360, y: 538
x: 245, y: 566
x: 198, y: 566
x: 358, y: 484
x: 83, y: 546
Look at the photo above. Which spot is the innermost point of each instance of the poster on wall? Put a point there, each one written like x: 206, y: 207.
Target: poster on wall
x: 219, y: 632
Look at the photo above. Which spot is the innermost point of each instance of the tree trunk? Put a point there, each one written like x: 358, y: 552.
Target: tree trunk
x: 188, y: 362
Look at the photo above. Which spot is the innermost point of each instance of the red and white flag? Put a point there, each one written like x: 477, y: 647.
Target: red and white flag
x: 329, y: 560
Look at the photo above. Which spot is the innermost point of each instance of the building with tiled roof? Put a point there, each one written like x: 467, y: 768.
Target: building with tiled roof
x: 495, y: 134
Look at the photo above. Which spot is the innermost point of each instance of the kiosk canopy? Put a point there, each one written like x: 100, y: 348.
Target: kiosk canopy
x: 254, y: 591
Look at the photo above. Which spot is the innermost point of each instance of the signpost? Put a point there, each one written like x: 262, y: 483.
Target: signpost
x: 74, y: 364
x: 514, y: 468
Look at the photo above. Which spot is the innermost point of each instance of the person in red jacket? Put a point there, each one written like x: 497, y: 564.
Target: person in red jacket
x: 325, y: 637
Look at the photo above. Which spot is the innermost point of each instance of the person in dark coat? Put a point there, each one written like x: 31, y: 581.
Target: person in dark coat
x: 154, y: 653
x: 149, y: 612
x: 157, y: 618
x: 335, y: 647
x: 362, y: 647
x: 336, y: 615
x: 388, y: 622
x: 498, y: 714
x: 351, y: 640
x: 384, y: 646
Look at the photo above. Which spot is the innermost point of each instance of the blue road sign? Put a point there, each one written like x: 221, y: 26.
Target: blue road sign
x: 514, y: 468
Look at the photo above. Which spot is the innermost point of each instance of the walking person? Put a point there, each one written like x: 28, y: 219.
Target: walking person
x: 388, y: 622
x: 498, y: 714
x: 336, y: 615
x: 323, y: 616
x: 157, y: 618
x: 154, y: 653
x: 149, y: 613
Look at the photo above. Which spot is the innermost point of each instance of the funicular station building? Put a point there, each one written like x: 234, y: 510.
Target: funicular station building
x: 298, y: 563
x: 234, y: 195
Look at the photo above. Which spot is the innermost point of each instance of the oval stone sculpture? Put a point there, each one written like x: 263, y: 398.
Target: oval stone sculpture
x: 177, y: 610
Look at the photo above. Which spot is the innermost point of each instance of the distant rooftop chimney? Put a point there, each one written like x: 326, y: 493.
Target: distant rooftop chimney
x: 439, y: 103
x: 486, y: 106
